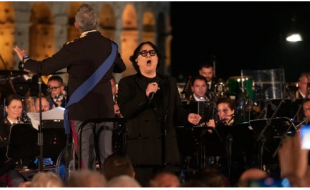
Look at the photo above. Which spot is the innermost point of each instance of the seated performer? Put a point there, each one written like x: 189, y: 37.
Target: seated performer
x: 199, y: 89
x: 45, y: 104
x: 306, y: 109
x: 56, y: 91
x: 13, y: 108
x: 225, y: 112
x: 304, y: 79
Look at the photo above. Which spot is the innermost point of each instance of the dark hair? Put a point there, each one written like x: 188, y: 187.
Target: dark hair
x: 117, y: 164
x: 206, y: 65
x: 208, y: 177
x: 56, y: 78
x: 136, y: 54
x: 199, y: 77
x: 12, y: 97
x: 228, y: 101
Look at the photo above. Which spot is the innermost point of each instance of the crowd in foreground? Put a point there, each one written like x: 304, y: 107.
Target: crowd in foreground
x: 117, y: 171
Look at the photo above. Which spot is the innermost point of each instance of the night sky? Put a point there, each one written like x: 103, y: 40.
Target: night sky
x: 241, y: 35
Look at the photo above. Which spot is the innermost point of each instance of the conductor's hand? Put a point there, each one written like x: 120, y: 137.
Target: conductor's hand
x: 151, y: 87
x: 211, y: 123
x: 193, y: 118
x: 20, y: 53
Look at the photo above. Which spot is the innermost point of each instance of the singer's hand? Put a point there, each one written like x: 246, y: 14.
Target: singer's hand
x: 151, y: 87
x: 193, y: 118
x: 116, y: 109
x: 211, y: 123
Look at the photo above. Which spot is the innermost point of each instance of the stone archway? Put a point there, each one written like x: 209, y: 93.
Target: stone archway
x: 41, y: 32
x: 72, y: 32
x: 107, y: 21
x: 129, y: 37
x: 7, y: 17
x: 148, y: 27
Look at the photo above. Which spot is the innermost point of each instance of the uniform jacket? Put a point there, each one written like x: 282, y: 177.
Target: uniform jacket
x: 82, y: 58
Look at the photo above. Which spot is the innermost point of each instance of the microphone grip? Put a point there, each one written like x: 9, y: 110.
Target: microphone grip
x: 151, y: 97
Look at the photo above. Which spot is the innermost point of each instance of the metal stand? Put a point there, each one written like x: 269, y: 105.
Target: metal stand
x: 262, y: 138
x: 40, y: 135
x: 229, y: 140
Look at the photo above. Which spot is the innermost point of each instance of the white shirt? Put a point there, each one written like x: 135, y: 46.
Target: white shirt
x: 209, y: 84
x: 199, y: 99
x: 26, y: 77
x: 11, y: 121
x: 303, y: 95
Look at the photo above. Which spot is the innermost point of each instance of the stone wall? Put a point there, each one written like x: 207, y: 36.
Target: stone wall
x: 43, y: 27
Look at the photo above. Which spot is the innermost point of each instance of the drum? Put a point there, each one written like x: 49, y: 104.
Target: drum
x: 234, y: 85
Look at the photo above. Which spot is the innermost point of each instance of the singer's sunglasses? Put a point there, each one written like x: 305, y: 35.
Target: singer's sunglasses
x: 53, y: 87
x: 144, y: 53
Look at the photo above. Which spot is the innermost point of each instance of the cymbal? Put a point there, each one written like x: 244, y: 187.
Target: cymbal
x: 12, y: 72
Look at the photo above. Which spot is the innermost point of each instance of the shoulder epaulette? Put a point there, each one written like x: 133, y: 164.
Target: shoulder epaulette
x: 108, y: 38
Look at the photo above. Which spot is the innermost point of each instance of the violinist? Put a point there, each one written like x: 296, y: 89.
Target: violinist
x: 13, y: 108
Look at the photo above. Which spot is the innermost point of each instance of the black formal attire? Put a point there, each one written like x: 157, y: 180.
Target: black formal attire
x: 151, y: 123
x: 8, y: 174
x: 82, y: 57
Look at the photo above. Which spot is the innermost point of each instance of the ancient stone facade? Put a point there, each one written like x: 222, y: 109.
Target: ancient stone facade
x: 43, y: 27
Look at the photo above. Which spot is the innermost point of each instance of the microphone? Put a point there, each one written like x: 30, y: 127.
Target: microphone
x: 152, y: 93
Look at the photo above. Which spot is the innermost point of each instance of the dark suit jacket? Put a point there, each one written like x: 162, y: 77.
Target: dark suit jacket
x: 82, y: 58
x: 5, y: 162
x: 151, y: 140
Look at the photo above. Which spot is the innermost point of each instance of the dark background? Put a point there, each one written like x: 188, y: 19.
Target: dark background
x: 241, y: 35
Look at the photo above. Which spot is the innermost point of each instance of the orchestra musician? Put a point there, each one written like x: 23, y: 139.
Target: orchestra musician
x: 225, y: 112
x: 57, y: 92
x: 45, y: 105
x: 303, y: 82
x: 151, y: 103
x: 116, y: 107
x: 84, y: 57
x: 8, y: 174
x: 206, y: 70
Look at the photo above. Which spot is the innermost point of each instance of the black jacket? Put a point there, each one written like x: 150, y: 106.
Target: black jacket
x: 82, y: 58
x: 151, y: 137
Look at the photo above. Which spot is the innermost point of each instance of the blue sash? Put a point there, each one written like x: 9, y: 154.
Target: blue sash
x: 88, y: 85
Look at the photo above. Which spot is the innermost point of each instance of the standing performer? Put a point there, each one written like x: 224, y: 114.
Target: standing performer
x: 151, y: 103
x: 89, y: 60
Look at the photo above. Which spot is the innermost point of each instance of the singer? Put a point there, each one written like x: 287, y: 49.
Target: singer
x: 151, y: 103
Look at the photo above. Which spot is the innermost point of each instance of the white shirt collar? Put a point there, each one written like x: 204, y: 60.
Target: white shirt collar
x: 26, y: 77
x: 199, y: 99
x: 11, y: 121
x: 303, y: 95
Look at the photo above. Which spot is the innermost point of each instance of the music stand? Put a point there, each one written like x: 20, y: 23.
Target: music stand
x: 23, y: 142
x: 285, y: 111
x: 273, y: 134
x: 211, y: 143
x: 54, y: 137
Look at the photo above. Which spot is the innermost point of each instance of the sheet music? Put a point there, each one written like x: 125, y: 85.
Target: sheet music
x: 56, y: 113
